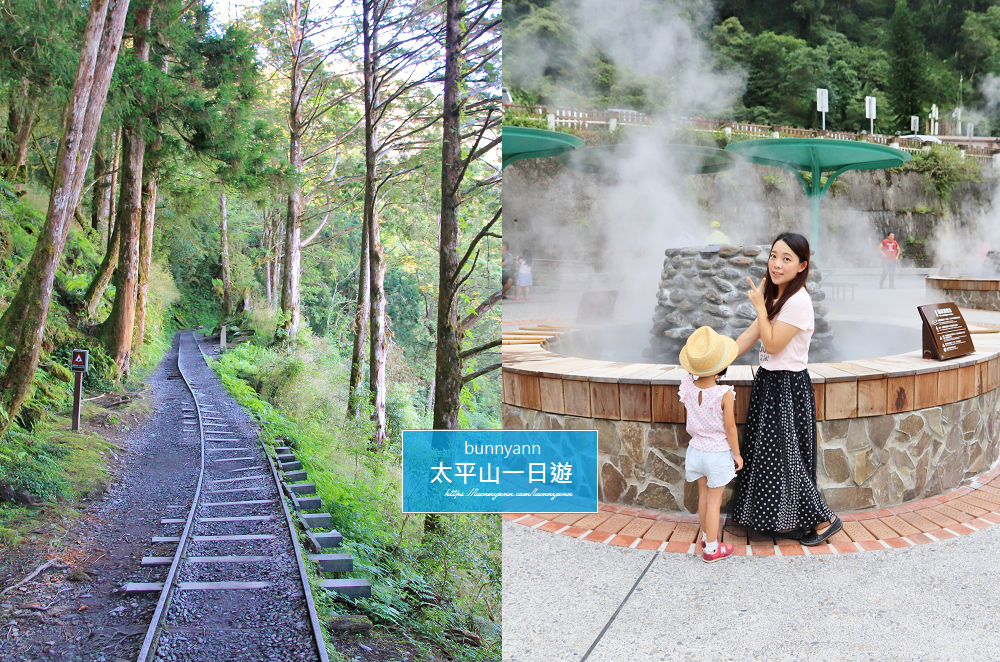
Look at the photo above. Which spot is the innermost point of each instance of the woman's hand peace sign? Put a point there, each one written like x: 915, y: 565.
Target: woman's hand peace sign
x: 756, y: 295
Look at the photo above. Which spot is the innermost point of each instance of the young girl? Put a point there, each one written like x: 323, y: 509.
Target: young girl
x: 714, y: 449
x: 524, y: 276
x: 777, y: 493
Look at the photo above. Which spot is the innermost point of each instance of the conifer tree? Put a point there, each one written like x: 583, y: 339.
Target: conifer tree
x: 908, y: 77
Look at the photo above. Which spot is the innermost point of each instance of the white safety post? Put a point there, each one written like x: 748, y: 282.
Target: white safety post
x: 870, y: 113
x: 823, y: 103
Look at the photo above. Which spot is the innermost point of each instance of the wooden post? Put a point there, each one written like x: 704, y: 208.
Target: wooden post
x: 77, y: 395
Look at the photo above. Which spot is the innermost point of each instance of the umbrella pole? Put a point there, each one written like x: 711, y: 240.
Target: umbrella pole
x: 817, y: 194
x: 814, y: 227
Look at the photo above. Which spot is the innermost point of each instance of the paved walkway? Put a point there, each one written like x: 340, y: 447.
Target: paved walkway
x: 565, y: 600
x: 960, y: 512
x: 925, y: 590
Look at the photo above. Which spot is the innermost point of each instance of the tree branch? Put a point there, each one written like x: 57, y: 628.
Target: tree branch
x: 482, y: 348
x: 482, y: 233
x: 326, y: 239
x: 481, y: 310
x: 479, y: 373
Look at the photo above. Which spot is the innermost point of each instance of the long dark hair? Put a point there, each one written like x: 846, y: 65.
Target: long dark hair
x: 799, y: 246
x: 526, y: 256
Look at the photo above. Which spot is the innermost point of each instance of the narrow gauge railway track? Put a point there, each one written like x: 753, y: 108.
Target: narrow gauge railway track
x: 235, y: 589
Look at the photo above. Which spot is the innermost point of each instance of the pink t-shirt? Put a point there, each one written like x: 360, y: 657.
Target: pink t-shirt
x: 797, y: 311
x: 705, y: 422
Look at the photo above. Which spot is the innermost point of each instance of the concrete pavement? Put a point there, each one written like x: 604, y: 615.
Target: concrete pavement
x: 934, y: 602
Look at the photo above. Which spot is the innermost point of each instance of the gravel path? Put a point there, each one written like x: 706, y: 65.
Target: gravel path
x: 267, y: 623
x: 934, y: 602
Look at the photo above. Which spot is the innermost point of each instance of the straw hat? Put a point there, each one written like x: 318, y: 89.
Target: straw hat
x: 708, y: 353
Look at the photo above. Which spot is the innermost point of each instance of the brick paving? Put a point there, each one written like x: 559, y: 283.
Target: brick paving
x: 959, y: 512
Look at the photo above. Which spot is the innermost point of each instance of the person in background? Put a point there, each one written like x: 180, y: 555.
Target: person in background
x: 890, y: 255
x: 524, y: 275
x: 717, y: 236
x: 507, y: 269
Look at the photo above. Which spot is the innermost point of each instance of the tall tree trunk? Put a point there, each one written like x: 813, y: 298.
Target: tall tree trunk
x: 102, y: 277
x: 448, y: 370
x: 21, y: 107
x: 227, y: 285
x: 290, y: 304
x: 23, y: 323
x: 376, y: 257
x: 102, y: 179
x: 267, y: 261
x: 360, y: 325
x: 119, y: 328
x: 148, y: 215
x: 113, y: 196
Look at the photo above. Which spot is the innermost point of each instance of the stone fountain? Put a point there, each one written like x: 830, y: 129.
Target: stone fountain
x: 707, y: 287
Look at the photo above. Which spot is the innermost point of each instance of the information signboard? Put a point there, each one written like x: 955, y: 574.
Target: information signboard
x: 80, y: 361
x: 946, y: 335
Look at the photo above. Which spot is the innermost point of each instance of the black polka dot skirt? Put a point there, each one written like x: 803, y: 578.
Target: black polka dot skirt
x: 776, y: 490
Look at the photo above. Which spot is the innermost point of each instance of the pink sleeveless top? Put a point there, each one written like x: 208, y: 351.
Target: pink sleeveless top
x: 705, y: 423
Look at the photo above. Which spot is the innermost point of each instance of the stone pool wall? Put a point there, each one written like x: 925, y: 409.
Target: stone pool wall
x: 707, y: 287
x: 890, y: 430
x: 862, y: 463
x: 978, y: 293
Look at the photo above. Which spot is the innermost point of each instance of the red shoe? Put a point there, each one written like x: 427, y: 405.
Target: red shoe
x: 724, y: 552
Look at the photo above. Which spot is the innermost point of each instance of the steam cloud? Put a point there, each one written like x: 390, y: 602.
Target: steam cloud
x: 620, y: 222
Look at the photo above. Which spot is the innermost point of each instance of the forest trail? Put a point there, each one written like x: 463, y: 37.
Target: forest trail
x: 79, y: 609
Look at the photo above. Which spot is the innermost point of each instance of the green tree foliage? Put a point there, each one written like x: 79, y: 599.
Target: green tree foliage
x: 908, y: 55
x: 909, y: 67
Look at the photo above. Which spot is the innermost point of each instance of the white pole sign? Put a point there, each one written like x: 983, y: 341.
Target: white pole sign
x: 870, y: 113
x: 915, y: 124
x: 823, y: 103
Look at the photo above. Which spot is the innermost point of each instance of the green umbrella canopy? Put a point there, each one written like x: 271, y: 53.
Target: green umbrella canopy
x: 817, y: 156
x: 678, y: 159
x: 525, y: 143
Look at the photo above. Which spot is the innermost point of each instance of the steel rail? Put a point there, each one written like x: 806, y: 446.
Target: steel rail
x: 148, y: 649
x: 303, y: 573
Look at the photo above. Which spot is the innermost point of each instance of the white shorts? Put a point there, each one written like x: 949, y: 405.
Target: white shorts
x: 719, y: 467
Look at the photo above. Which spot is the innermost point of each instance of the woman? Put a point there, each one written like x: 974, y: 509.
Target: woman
x: 776, y: 492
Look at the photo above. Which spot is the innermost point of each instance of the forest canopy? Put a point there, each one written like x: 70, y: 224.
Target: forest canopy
x: 908, y: 54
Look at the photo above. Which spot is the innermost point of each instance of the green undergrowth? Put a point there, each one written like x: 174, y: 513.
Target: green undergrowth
x: 45, y: 474
x: 429, y: 583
